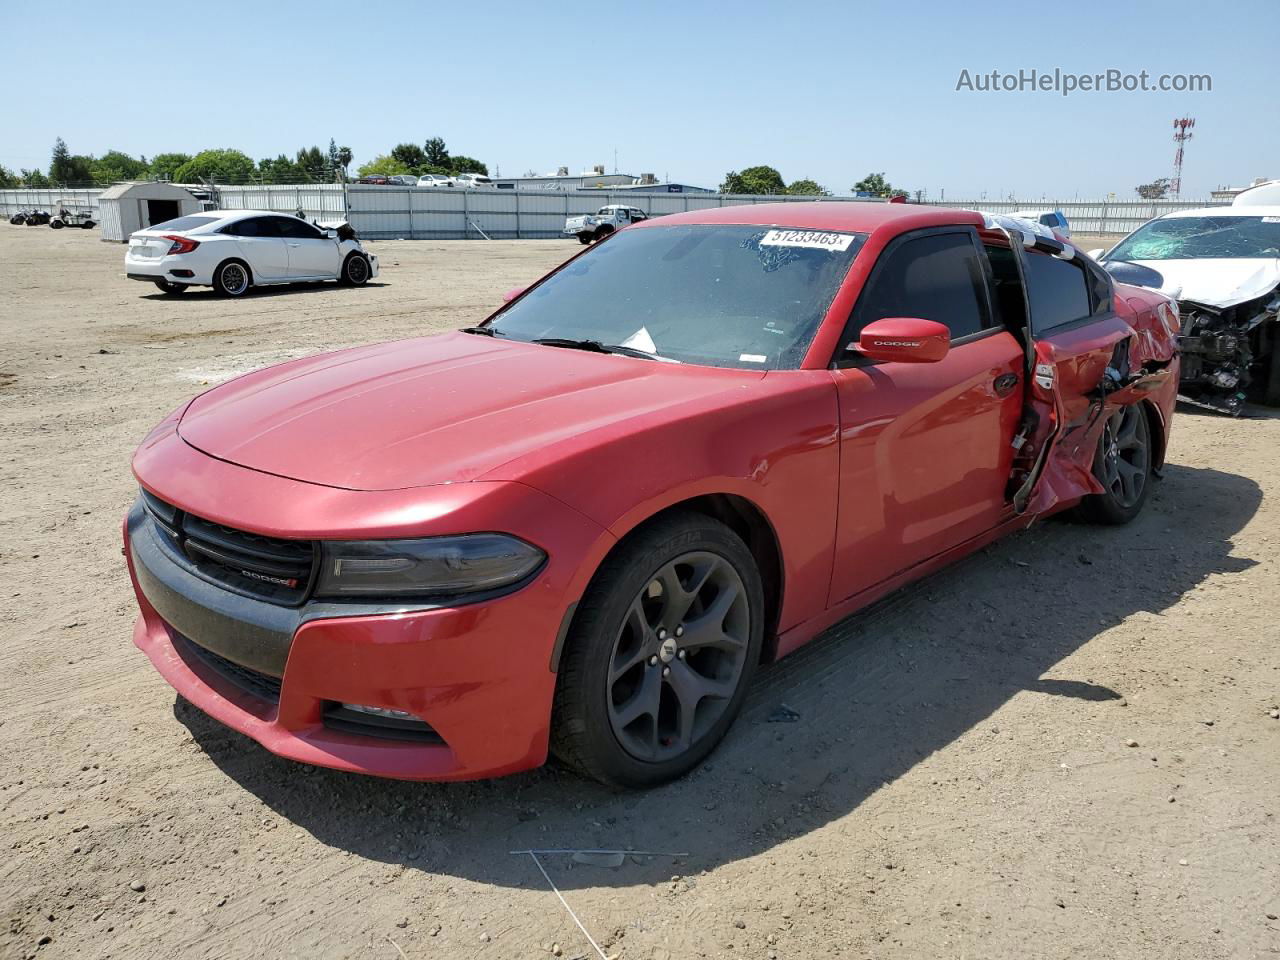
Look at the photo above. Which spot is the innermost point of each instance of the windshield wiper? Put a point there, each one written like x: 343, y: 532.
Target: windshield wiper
x: 482, y: 331
x: 595, y: 346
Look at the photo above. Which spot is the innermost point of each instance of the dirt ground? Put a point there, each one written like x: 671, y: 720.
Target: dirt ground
x: 1061, y: 747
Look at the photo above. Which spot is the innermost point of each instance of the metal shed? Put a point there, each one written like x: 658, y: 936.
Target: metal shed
x: 127, y: 207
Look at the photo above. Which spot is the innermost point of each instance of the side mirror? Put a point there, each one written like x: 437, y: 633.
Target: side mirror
x: 904, y: 340
x: 331, y: 234
x: 513, y: 293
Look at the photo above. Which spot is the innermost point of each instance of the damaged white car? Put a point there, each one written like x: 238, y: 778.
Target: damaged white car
x: 1222, y: 265
x: 236, y: 250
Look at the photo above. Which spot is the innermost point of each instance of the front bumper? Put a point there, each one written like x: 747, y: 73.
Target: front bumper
x: 478, y: 675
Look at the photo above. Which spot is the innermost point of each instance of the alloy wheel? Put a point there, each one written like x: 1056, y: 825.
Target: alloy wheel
x: 1125, y: 454
x: 679, y: 656
x: 235, y: 279
x: 357, y: 270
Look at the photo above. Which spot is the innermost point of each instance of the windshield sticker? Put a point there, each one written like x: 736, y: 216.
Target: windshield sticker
x: 1271, y: 219
x: 640, y: 340
x: 808, y: 239
x: 752, y: 358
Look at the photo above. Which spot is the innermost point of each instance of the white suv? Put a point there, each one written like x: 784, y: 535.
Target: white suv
x: 434, y: 180
x: 472, y: 180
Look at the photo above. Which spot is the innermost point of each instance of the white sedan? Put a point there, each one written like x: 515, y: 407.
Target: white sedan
x: 232, y: 251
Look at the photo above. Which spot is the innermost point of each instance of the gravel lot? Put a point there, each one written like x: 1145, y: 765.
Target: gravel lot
x: 1062, y: 747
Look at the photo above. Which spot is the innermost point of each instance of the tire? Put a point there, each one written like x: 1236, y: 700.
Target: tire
x: 87, y: 225
x: 233, y: 278
x: 584, y: 238
x: 171, y: 288
x: 56, y: 224
x: 640, y: 700
x: 602, y: 233
x: 355, y: 271
x: 1123, y: 465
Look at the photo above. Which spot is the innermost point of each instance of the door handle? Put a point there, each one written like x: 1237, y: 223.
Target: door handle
x: 1005, y: 383
x: 295, y: 244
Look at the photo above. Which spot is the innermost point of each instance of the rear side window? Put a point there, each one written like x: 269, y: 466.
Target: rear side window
x: 253, y: 227
x: 935, y: 277
x: 1057, y: 290
x: 184, y: 223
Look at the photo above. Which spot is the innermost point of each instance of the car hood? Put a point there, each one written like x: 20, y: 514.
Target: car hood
x: 1213, y: 282
x: 442, y: 409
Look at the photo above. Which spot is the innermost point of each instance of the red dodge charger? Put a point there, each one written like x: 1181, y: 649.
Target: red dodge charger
x: 582, y: 525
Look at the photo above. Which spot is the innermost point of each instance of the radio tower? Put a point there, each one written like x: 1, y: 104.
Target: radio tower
x: 1181, y: 134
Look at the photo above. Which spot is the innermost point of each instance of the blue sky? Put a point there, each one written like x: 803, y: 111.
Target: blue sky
x: 829, y: 91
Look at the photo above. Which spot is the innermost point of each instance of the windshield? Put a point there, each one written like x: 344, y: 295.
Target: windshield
x: 1195, y: 238
x: 750, y: 297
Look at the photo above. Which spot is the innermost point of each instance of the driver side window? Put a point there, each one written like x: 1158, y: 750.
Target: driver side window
x: 936, y: 277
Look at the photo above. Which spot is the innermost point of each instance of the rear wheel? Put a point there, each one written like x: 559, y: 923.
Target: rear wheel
x: 1123, y: 465
x: 165, y: 286
x: 662, y: 648
x: 56, y: 224
x: 232, y: 278
x: 87, y: 225
x: 355, y: 271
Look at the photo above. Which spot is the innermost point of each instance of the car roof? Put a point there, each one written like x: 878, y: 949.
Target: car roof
x: 841, y: 216
x: 1261, y: 210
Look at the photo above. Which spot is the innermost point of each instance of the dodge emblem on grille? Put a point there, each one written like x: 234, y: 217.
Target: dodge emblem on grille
x: 281, y: 581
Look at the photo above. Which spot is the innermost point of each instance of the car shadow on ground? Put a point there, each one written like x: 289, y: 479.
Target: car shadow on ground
x: 868, y: 701
x: 274, y: 290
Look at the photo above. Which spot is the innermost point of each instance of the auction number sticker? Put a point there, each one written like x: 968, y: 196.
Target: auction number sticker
x: 810, y: 239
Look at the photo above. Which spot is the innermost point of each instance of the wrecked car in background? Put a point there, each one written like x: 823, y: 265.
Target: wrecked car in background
x: 1222, y: 265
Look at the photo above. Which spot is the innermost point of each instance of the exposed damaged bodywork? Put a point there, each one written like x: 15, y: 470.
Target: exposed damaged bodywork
x: 1083, y: 384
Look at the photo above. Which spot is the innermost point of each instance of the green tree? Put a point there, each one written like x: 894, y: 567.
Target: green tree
x: 808, y: 188
x: 225, y: 165
x: 165, y: 165
x: 461, y: 164
x: 437, y: 154
x: 409, y: 154
x: 877, y: 186
x: 389, y: 166
x: 344, y: 160
x: 8, y: 179
x: 66, y: 168
x: 116, y: 165
x: 312, y: 165
x: 1155, y: 190
x: 34, y: 178
x: 279, y: 170
x: 759, y: 180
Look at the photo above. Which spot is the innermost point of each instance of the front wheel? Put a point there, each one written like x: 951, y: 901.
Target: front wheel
x: 662, y: 648
x: 355, y: 271
x: 1123, y: 465
x: 602, y: 233
x: 584, y: 238
x: 56, y: 224
x: 232, y: 279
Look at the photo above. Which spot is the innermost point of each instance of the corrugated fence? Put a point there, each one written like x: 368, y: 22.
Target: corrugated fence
x: 425, y: 213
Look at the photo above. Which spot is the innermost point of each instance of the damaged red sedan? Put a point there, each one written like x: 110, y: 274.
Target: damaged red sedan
x: 581, y: 526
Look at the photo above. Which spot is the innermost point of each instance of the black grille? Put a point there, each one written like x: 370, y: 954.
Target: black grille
x: 261, y: 685
x: 345, y: 720
x: 271, y: 568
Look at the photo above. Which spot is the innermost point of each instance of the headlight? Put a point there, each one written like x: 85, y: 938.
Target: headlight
x: 436, y: 566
